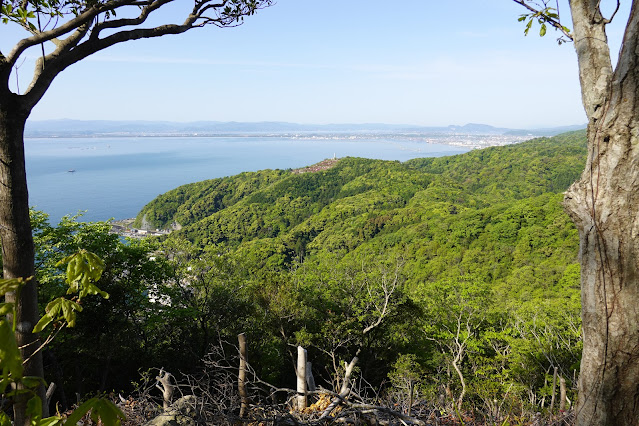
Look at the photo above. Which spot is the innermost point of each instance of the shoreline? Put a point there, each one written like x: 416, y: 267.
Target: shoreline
x: 124, y: 229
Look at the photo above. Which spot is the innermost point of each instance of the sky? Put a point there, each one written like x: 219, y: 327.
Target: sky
x: 420, y: 62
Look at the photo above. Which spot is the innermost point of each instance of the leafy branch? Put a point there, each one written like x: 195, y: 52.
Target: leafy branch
x: 83, y: 269
x: 545, y: 16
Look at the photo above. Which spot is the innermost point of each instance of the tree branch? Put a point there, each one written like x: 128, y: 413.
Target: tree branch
x: 555, y: 23
x: 608, y: 20
x: 82, y: 19
x: 593, y: 55
x: 119, y: 23
x: 71, y: 50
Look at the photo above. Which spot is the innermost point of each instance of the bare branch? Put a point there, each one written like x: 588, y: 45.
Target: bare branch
x: 609, y: 20
x: 345, y: 389
x: 388, y: 287
x: 119, y: 23
x: 48, y: 340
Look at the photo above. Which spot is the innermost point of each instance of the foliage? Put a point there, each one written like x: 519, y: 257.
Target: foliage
x: 545, y: 16
x: 431, y: 271
x: 83, y: 268
x: 114, y: 336
x: 29, y: 13
x: 65, y: 32
x: 478, y: 239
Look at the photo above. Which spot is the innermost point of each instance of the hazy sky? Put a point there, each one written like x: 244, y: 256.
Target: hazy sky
x: 422, y: 62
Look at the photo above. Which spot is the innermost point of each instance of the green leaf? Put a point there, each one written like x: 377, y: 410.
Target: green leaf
x: 33, y: 381
x: 65, y: 260
x: 542, y: 31
x: 94, y: 261
x: 109, y: 413
x: 10, y: 359
x: 102, y: 409
x: 13, y: 284
x: 34, y: 408
x: 6, y: 308
x: 79, y: 412
x: 528, y: 25
x: 57, y: 310
x: 49, y: 421
x: 42, y: 324
x: 84, y: 268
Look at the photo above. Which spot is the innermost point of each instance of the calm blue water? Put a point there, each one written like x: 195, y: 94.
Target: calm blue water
x: 116, y: 177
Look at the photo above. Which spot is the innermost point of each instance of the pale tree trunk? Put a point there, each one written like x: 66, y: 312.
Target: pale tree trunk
x: 301, y: 378
x: 562, y: 395
x: 460, y: 398
x: 604, y: 205
x: 16, y: 237
x: 241, y: 377
x: 554, y: 389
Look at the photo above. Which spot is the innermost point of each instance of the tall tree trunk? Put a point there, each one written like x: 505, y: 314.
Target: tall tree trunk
x: 604, y: 205
x: 16, y: 237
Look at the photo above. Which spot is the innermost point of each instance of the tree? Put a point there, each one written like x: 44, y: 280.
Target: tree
x: 603, y: 203
x: 455, y: 313
x: 76, y: 29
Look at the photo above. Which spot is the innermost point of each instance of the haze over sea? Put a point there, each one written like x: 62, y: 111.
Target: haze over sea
x: 116, y: 177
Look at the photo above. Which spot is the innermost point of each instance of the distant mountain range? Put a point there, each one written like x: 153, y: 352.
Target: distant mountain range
x: 96, y: 128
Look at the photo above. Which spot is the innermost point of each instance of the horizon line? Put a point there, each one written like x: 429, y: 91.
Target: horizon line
x: 540, y: 127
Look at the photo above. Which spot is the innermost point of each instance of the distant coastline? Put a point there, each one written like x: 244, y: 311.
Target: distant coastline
x: 66, y: 128
x: 464, y: 140
x: 116, y: 177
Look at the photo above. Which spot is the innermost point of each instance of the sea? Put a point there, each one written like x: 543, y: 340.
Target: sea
x: 114, y: 177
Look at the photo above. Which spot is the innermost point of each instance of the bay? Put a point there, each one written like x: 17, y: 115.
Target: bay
x: 115, y: 177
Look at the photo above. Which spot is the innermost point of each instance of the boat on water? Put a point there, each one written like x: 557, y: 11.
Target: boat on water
x: 71, y: 171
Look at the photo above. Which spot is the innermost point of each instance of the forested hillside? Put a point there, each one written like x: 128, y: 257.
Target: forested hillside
x: 458, y: 274
x: 493, y: 211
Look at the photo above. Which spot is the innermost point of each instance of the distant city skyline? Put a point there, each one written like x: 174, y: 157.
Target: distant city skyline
x: 330, y: 61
